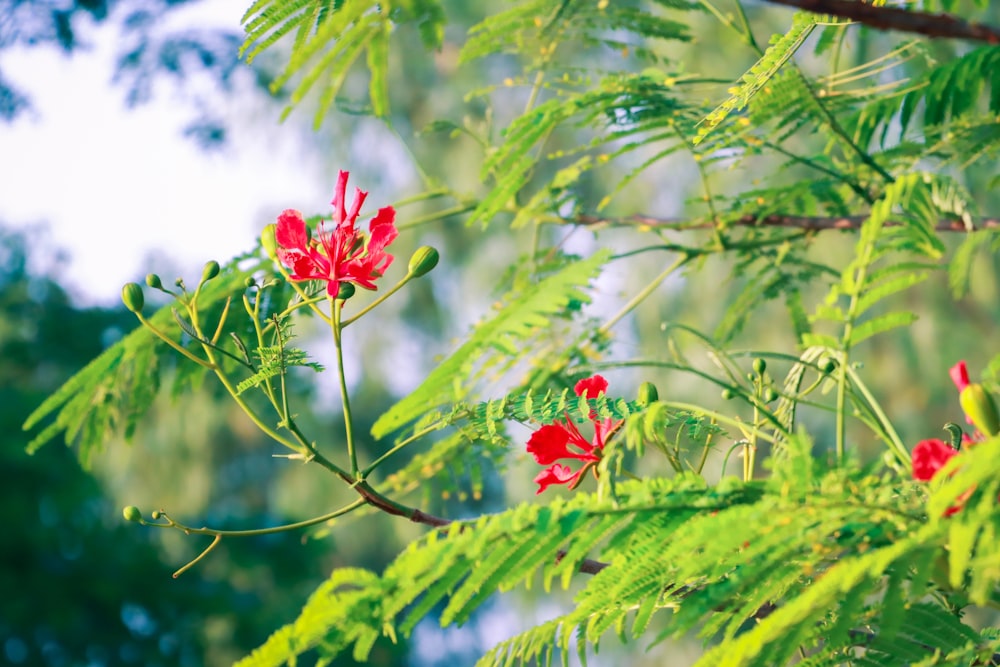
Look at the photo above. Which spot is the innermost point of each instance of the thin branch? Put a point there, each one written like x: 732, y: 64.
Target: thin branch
x: 903, y: 20
x: 804, y: 222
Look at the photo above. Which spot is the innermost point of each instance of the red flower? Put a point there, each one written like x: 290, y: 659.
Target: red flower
x: 341, y: 255
x: 554, y: 441
x: 929, y: 456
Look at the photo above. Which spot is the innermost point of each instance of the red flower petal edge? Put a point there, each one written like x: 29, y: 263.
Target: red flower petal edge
x: 555, y: 474
x: 959, y: 375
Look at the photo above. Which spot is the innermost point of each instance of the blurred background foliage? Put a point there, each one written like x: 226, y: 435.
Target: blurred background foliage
x: 82, y: 588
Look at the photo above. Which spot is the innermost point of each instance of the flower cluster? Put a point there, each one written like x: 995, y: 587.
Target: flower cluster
x: 563, y: 440
x: 342, y: 254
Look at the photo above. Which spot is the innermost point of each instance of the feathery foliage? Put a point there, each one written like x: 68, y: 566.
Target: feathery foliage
x: 825, y: 551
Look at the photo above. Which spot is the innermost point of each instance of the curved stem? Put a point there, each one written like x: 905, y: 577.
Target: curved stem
x: 894, y: 441
x: 174, y: 344
x: 337, y: 328
x: 199, y: 557
x: 403, y: 443
x: 395, y: 288
x: 188, y: 530
x: 437, y: 215
x: 641, y: 296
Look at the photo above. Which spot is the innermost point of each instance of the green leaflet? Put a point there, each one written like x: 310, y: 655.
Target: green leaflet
x: 782, y: 48
x: 330, y: 37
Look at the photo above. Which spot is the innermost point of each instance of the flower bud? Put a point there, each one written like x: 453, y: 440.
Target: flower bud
x: 268, y: 242
x: 826, y: 365
x: 423, y: 261
x: 346, y: 291
x: 978, y: 406
x: 155, y: 514
x: 210, y: 271
x: 132, y: 297
x: 249, y: 282
x: 770, y: 395
x: 759, y: 366
x: 132, y: 513
x: 153, y: 281
x: 648, y: 393
x: 727, y: 394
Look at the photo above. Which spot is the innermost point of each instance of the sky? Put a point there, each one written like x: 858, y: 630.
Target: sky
x: 112, y: 185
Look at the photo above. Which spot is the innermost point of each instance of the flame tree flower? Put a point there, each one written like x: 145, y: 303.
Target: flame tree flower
x: 563, y: 440
x: 342, y: 254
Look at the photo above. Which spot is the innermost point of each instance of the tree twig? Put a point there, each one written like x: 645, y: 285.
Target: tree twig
x: 903, y: 20
x: 809, y: 223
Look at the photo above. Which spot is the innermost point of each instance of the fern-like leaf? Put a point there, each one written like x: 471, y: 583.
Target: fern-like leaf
x: 451, y: 381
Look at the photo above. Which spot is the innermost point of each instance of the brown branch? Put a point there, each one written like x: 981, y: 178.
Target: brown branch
x: 380, y: 502
x: 804, y: 222
x: 894, y: 18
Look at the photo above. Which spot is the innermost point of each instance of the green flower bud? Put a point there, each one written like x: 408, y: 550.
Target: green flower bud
x: 770, y: 395
x: 249, y: 282
x: 210, y: 271
x: 153, y: 281
x: 132, y: 513
x: 268, y: 242
x: 759, y: 366
x: 978, y: 406
x: 155, y: 514
x: 648, y: 393
x: 727, y: 394
x: 346, y: 291
x: 423, y: 261
x: 132, y: 297
x: 826, y: 365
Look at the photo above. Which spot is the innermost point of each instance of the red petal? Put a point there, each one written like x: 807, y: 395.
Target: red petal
x: 359, y: 199
x: 548, y: 444
x: 290, y: 232
x: 929, y: 456
x: 554, y: 474
x: 338, y: 197
x: 960, y: 375
x: 593, y: 386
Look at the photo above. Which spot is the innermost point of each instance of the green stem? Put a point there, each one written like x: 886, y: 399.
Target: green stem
x: 436, y: 215
x: 842, y: 404
x: 254, y: 417
x: 643, y: 294
x: 416, y: 436
x: 535, y: 89
x: 747, y: 32
x: 199, y: 557
x: 174, y: 344
x: 306, y: 299
x: 894, y: 441
x: 395, y: 288
x: 337, y: 328
x: 187, y: 530
x: 705, y: 450
x: 742, y: 426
